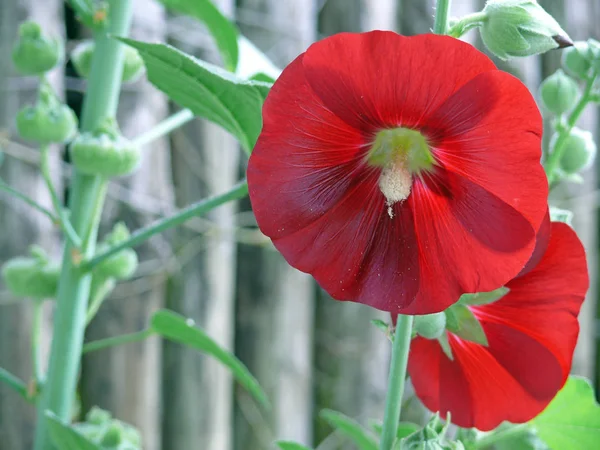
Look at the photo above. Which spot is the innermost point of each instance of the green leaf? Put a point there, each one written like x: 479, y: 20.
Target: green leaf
x: 66, y: 438
x: 207, y: 90
x: 363, y: 439
x: 177, y: 328
x: 483, y: 298
x: 463, y: 323
x: 572, y: 420
x: 222, y: 29
x: 254, y: 64
x: 287, y: 445
x: 529, y: 441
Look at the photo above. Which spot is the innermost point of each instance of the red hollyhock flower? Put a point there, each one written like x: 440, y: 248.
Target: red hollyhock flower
x: 401, y: 172
x: 531, y: 333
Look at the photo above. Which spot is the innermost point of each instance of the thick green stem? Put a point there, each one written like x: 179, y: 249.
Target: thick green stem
x: 118, y: 340
x: 63, y: 220
x: 442, y: 10
x: 195, y: 209
x: 556, y: 153
x: 397, y: 377
x: 36, y: 334
x: 165, y: 127
x: 503, y: 435
x: 87, y: 198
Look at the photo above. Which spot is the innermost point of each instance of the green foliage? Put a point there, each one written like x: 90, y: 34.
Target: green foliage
x: 32, y: 276
x: 363, y: 439
x: 483, y: 298
x: 178, y: 329
x: 461, y: 322
x: 207, y: 90
x: 572, y: 420
x: 287, y: 445
x: 223, y: 31
x: 81, y: 56
x: 430, y: 326
x: 404, y: 429
x: 65, y: 437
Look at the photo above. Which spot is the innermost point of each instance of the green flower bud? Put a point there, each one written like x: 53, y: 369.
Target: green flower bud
x: 577, y: 59
x: 98, y: 416
x: 113, y: 437
x: 520, y: 28
x: 430, y: 326
x: 133, y: 64
x: 579, y: 151
x: 121, y: 265
x: 559, y: 92
x: 33, y: 276
x: 34, y: 53
x: 48, y: 120
x: 104, y: 152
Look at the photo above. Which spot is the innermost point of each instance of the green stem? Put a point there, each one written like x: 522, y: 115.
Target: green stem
x: 397, y: 377
x: 98, y: 297
x: 165, y: 127
x: 442, y: 10
x: 88, y: 194
x: 101, y: 344
x: 502, y: 435
x: 63, y: 221
x: 467, y: 23
x: 14, y: 383
x: 31, y: 202
x: 36, y: 334
x: 556, y: 153
x: 195, y: 209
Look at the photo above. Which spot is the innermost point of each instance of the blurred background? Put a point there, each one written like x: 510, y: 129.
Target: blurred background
x: 308, y: 351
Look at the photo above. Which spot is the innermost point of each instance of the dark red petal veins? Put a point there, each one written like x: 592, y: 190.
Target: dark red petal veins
x: 541, y: 244
x: 381, y: 79
x: 490, y: 132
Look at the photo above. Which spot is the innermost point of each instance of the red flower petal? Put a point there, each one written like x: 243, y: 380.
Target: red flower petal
x: 532, y: 332
x: 382, y: 79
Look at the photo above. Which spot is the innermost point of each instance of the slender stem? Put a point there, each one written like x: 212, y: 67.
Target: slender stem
x: 557, y: 151
x: 397, y: 377
x: 64, y: 221
x: 31, y: 202
x: 195, y: 209
x: 88, y: 193
x: 502, y: 435
x: 14, y: 383
x: 467, y: 23
x: 442, y: 10
x: 101, y: 344
x: 165, y: 127
x: 36, y: 334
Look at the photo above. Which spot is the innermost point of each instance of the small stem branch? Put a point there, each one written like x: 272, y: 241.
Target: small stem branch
x: 238, y: 191
x: 36, y: 334
x: 101, y: 344
x: 397, y: 377
x: 165, y: 127
x: 467, y: 23
x: 557, y: 151
x: 63, y: 221
x: 442, y: 11
x: 14, y: 383
x: 31, y: 202
x: 499, y: 436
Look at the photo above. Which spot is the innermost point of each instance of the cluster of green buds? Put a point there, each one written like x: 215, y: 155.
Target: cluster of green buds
x: 108, y: 433
x: 35, y: 53
x: 133, y: 64
x: 34, y: 276
x: 560, y: 94
x: 431, y: 437
x: 104, y: 152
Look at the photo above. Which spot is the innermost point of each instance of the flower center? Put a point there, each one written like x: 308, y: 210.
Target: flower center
x: 400, y: 153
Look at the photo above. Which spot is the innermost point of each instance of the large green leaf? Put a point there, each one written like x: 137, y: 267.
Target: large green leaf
x: 572, y: 420
x: 222, y: 29
x: 66, y: 438
x: 207, y: 90
x: 177, y: 328
x: 287, y: 445
x: 363, y: 439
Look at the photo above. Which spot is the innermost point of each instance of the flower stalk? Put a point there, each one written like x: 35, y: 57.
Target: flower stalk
x: 442, y: 11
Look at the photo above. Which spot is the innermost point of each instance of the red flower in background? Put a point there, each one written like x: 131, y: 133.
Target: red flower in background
x: 401, y: 172
x: 531, y: 333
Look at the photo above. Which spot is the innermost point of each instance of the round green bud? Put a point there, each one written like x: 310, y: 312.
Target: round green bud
x: 559, y: 92
x: 104, y: 152
x: 34, y: 53
x: 98, y: 416
x: 121, y: 265
x: 579, y: 151
x: 430, y: 326
x: 576, y: 60
x: 32, y: 276
x: 113, y: 437
x: 133, y: 64
x: 45, y: 125
x: 520, y: 28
